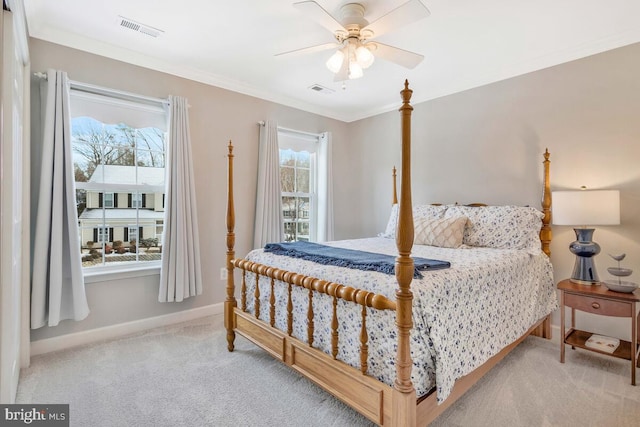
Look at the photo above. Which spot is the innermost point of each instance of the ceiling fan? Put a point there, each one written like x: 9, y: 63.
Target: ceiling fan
x: 354, y: 34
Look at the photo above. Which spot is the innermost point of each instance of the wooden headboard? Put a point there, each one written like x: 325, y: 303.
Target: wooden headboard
x: 545, y: 231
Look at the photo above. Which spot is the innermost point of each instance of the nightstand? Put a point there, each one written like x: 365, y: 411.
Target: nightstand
x: 597, y: 299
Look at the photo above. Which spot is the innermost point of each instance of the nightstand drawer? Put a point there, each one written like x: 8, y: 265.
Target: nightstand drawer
x: 598, y: 305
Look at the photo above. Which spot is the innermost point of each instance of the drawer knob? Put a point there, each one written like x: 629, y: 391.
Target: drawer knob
x: 595, y: 305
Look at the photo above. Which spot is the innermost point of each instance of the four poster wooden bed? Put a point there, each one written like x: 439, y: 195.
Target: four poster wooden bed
x: 296, y: 314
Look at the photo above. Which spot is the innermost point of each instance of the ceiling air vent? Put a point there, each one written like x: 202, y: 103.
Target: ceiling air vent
x: 321, y: 89
x: 138, y: 27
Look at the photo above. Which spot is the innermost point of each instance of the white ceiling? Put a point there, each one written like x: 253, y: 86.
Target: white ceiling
x: 231, y: 44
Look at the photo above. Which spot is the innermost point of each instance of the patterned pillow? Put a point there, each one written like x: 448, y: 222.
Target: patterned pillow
x: 428, y: 212
x: 441, y: 232
x: 419, y: 212
x: 501, y: 227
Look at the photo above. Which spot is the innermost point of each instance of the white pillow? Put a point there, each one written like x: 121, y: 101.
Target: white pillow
x: 419, y: 212
x: 501, y: 227
x: 441, y: 232
x: 390, y: 231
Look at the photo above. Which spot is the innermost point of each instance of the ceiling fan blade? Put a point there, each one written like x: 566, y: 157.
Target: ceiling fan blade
x: 404, y: 14
x: 393, y: 54
x: 321, y: 16
x: 311, y: 49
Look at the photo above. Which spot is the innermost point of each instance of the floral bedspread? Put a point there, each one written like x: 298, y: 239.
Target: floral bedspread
x: 462, y: 315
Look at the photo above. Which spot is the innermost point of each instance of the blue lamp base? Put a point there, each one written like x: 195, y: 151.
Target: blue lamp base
x: 584, y: 269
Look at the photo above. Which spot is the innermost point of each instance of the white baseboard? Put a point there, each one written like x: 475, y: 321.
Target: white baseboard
x: 115, y: 331
x: 62, y: 342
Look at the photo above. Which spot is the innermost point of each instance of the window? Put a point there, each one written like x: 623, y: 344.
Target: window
x: 136, y: 200
x: 132, y: 233
x: 159, y: 230
x: 108, y: 200
x: 298, y: 184
x: 119, y: 151
x: 102, y: 234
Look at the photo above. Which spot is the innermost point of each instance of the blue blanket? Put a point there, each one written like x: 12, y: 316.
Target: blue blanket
x: 369, y: 261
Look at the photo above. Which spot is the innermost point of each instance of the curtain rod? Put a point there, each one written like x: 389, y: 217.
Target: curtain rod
x: 100, y: 90
x: 294, y: 131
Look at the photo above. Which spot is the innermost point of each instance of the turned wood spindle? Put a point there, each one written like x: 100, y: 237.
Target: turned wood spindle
x: 310, y: 324
x: 364, y: 339
x: 256, y: 295
x: 334, y: 328
x: 289, y: 310
x: 243, y: 291
x: 272, y: 303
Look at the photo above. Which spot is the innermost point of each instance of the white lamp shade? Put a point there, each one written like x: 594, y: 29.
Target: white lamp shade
x: 355, y: 70
x: 364, y: 56
x: 334, y: 64
x: 586, y: 207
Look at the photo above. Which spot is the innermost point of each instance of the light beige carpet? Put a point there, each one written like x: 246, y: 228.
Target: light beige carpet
x: 184, y: 376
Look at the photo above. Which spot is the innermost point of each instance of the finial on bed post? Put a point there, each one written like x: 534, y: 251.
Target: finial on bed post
x: 395, y: 192
x: 404, y: 270
x: 545, y: 231
x: 230, y: 303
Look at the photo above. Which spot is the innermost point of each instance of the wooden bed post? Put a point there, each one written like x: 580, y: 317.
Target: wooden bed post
x: 230, y: 303
x: 395, y: 193
x: 544, y: 329
x: 545, y: 232
x: 404, y: 397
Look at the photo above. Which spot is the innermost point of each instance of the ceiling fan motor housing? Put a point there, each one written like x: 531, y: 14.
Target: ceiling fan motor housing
x: 353, y: 16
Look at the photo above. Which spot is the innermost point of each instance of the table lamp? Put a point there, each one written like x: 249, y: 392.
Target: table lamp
x: 585, y: 208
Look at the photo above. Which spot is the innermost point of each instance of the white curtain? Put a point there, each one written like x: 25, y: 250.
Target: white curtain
x: 57, y: 287
x: 269, y: 224
x: 180, y: 276
x: 325, y: 189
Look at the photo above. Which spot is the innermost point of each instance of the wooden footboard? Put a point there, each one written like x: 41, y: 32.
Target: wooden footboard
x: 368, y: 396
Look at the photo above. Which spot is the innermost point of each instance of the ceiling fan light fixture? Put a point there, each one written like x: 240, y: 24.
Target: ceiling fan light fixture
x: 355, y: 70
x: 334, y: 64
x: 364, y: 56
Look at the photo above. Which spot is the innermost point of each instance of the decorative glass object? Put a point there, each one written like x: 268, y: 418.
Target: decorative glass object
x: 618, y: 285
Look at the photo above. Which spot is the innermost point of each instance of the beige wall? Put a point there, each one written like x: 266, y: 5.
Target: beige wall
x: 216, y: 116
x: 486, y: 145
x: 483, y: 144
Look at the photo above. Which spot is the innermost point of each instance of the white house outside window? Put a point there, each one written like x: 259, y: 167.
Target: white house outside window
x: 119, y: 156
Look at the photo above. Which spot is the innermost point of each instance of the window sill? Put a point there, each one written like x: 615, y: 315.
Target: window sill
x: 111, y: 274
